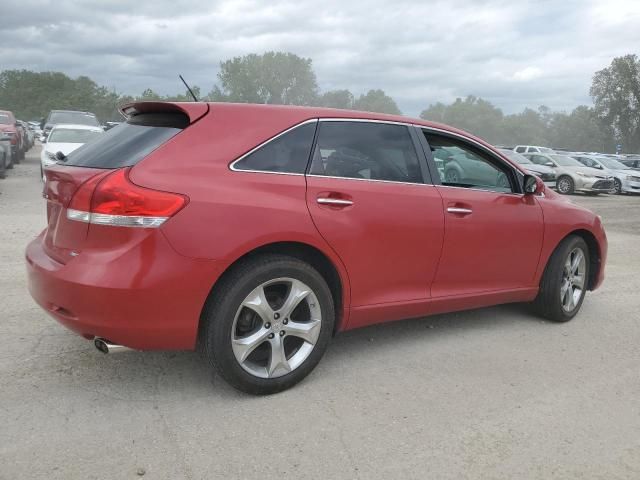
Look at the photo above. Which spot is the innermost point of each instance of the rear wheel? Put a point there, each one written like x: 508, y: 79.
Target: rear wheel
x: 268, y: 324
x: 565, y: 281
x: 565, y: 185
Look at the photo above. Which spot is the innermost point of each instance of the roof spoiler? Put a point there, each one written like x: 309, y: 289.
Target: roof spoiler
x: 193, y: 110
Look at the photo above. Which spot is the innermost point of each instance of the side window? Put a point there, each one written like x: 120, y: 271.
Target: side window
x: 288, y: 153
x: 539, y: 159
x: 367, y: 150
x: 521, y: 149
x: 462, y: 165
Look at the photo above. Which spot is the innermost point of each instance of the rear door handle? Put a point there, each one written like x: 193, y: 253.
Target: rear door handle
x: 459, y: 210
x: 336, y: 202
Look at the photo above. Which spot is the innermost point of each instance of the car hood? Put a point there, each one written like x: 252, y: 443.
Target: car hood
x: 65, y: 148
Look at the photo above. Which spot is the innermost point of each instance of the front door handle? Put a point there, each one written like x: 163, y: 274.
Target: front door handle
x: 459, y: 210
x: 336, y: 202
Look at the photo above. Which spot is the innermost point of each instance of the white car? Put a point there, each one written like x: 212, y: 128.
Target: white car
x: 532, y: 149
x: 63, y: 140
x: 626, y: 180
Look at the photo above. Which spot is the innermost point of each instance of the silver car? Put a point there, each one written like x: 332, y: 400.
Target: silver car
x: 546, y: 174
x: 572, y: 176
x: 6, y: 161
x: 625, y: 179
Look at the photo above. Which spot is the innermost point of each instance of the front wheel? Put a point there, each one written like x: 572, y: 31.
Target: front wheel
x: 565, y: 281
x: 268, y: 323
x: 617, y: 185
x: 565, y: 185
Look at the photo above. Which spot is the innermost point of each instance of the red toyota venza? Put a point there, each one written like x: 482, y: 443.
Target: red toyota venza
x: 258, y: 232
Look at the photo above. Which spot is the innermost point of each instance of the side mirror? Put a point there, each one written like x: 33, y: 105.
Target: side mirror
x: 550, y: 164
x: 531, y: 184
x: 61, y: 157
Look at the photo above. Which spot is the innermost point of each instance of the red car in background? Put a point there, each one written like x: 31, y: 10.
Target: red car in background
x: 10, y: 125
x: 257, y: 232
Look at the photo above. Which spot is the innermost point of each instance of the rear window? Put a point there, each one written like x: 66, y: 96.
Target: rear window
x: 4, y: 119
x: 128, y: 143
x: 73, y: 135
x: 76, y: 118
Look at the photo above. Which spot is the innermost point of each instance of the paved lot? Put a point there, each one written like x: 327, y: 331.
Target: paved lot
x: 494, y: 393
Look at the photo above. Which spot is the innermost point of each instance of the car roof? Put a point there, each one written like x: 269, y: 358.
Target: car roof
x: 73, y: 111
x: 71, y: 126
x: 296, y: 114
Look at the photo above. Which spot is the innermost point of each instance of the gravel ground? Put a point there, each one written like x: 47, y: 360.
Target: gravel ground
x: 491, y: 393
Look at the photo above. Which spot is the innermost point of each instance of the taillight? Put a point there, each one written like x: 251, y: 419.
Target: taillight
x: 112, y: 199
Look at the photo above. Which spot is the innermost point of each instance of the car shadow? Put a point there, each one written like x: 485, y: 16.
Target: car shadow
x: 132, y: 375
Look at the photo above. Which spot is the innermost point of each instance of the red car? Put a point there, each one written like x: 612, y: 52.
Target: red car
x: 257, y: 232
x: 10, y: 125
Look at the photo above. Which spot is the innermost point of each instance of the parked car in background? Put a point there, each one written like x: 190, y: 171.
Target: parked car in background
x: 5, y: 153
x: 35, y: 128
x: 8, y: 124
x: 633, y: 163
x: 29, y: 137
x: 70, y: 117
x: 532, y: 149
x: 625, y: 180
x: 458, y: 166
x: 572, y: 176
x: 64, y: 139
x: 258, y: 231
x: 547, y: 174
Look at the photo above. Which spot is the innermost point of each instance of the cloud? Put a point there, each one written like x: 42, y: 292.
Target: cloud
x: 514, y: 54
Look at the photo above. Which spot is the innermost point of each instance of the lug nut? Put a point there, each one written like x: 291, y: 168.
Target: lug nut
x: 282, y: 333
x: 276, y: 315
x: 271, y: 335
x: 285, y: 321
x: 267, y: 325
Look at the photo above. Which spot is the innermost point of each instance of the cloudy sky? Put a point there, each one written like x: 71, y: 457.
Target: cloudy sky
x: 514, y: 53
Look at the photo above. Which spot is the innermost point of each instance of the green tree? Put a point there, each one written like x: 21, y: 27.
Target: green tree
x: 475, y: 115
x: 274, y: 77
x: 337, y: 99
x: 580, y: 130
x: 376, y: 101
x: 616, y: 95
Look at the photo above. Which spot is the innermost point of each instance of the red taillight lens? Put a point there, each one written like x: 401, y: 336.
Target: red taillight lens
x: 112, y: 199
x: 117, y: 195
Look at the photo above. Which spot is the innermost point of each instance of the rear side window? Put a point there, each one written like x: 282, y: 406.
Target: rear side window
x: 521, y: 149
x: 287, y: 153
x: 128, y: 143
x: 366, y: 150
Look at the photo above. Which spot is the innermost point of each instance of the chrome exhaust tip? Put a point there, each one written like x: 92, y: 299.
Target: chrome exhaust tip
x: 105, y: 346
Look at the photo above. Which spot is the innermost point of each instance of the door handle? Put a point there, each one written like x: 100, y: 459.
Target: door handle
x: 459, y: 210
x: 336, y: 202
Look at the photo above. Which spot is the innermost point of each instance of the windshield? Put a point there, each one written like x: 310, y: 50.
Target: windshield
x: 566, y: 161
x: 611, y: 163
x: 4, y: 119
x: 72, y: 135
x: 516, y: 157
x: 78, y: 118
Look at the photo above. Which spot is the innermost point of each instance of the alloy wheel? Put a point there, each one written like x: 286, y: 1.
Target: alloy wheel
x: 618, y: 186
x: 573, y: 279
x: 564, y: 185
x: 276, y: 327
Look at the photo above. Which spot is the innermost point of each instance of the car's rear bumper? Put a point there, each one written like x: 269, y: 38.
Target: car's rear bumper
x: 146, y: 297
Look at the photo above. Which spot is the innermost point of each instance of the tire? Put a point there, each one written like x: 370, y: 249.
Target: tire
x: 226, y: 321
x: 617, y: 186
x: 565, y: 185
x: 551, y: 303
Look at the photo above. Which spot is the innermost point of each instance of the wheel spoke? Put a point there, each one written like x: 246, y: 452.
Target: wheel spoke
x: 570, y: 300
x: 577, y: 259
x: 564, y: 293
x: 278, y: 360
x: 308, y: 331
x: 297, y: 293
x: 242, y: 347
x: 578, y: 281
x: 567, y: 266
x: 257, y: 301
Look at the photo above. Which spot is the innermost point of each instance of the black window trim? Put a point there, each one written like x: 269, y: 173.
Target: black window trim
x: 515, y: 174
x: 233, y: 168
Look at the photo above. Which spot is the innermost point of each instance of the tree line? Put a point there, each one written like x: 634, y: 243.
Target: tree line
x: 285, y: 78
